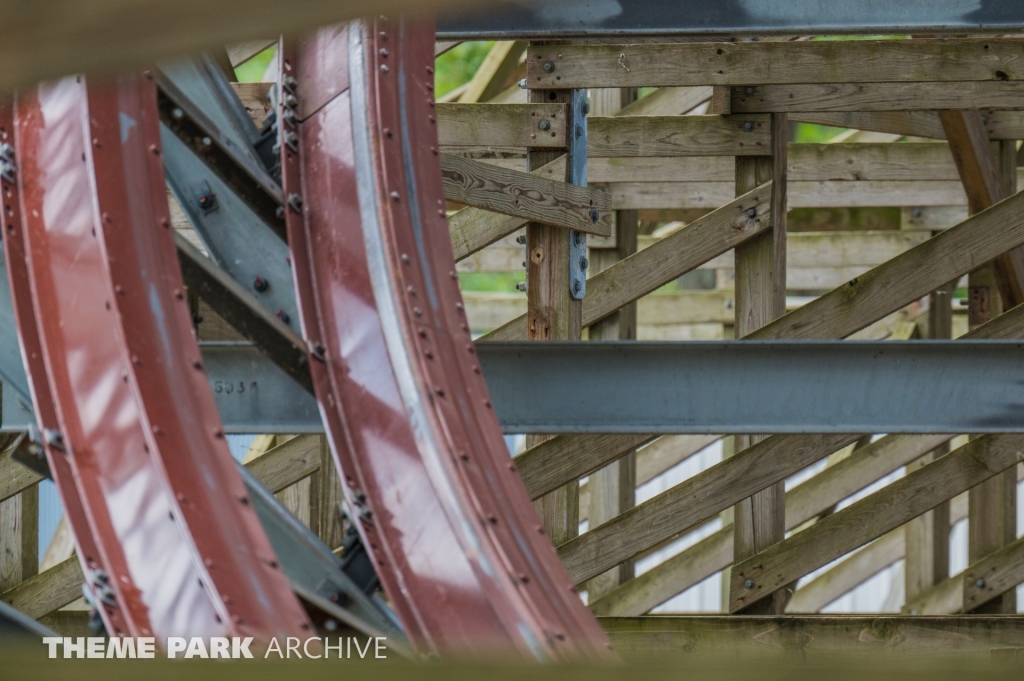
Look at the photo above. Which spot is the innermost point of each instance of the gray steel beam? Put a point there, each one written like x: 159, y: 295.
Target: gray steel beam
x: 757, y: 387
x: 689, y: 387
x: 544, y: 19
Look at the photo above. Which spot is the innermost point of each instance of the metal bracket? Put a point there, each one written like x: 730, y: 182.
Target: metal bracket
x: 576, y: 173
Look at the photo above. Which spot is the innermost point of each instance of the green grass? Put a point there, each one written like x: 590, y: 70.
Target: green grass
x: 457, y: 66
x: 491, y: 282
x: 252, y: 71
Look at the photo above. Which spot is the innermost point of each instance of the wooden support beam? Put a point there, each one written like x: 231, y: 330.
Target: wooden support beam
x: 878, y: 97
x: 498, y: 66
x: 685, y: 250
x: 907, y: 277
x: 472, y: 229
x: 19, y: 537
x: 759, y: 520
x: 47, y: 591
x: 14, y: 477
x: 288, y: 463
x: 913, y: 123
x: 527, y: 196
x: 873, y: 516
x: 667, y: 101
x: 712, y: 638
x: 552, y: 312
x: 679, y: 136
x: 502, y: 125
x: 765, y: 62
x: 803, y: 503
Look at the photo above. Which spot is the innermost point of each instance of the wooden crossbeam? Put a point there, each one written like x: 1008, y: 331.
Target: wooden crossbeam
x: 818, y: 639
x: 873, y: 516
x: 678, y: 136
x: 803, y: 503
x: 497, y: 67
x: 906, y: 277
x: 547, y: 466
x: 763, y: 62
x: 472, y: 229
x: 502, y: 125
x: 667, y: 101
x: 918, y: 96
x: 526, y: 196
x: 685, y: 250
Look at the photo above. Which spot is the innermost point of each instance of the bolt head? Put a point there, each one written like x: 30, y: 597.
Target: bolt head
x: 751, y: 213
x: 980, y: 583
x: 521, y: 286
x: 594, y: 215
x: 577, y: 286
x: 586, y: 108
x: 544, y: 125
x: 749, y: 126
x: 748, y: 584
x: 522, y: 83
x: 177, y: 113
x: 207, y: 141
x: 549, y: 67
x: 579, y: 131
x: 749, y: 91
x: 584, y: 264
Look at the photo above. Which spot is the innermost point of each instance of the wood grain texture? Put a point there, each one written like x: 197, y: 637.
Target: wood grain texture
x: 288, y: 463
x: 47, y: 591
x: 496, y: 68
x: 679, y: 509
x: 14, y: 477
x: 526, y: 196
x: 907, y: 277
x: 685, y: 250
x: 19, y: 537
x: 547, y: 466
x: 472, y: 229
x: 860, y: 97
x: 764, y: 62
x: 873, y: 516
x: 816, y: 640
x: 678, y: 136
x: 502, y: 125
x: 667, y: 101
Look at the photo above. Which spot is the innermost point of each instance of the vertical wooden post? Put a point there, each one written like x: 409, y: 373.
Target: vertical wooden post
x: 760, y: 521
x: 19, y: 538
x: 926, y: 558
x: 992, y: 505
x: 326, y: 501
x: 552, y: 313
x: 613, y: 488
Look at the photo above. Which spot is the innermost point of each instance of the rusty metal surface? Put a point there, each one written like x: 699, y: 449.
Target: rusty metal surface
x: 454, y: 537
x: 133, y: 416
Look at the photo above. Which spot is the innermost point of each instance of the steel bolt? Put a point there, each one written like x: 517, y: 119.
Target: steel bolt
x: 207, y: 141
x: 289, y: 101
x: 330, y: 625
x: 584, y: 263
x: 586, y: 108
x: 549, y: 67
x: 522, y: 83
x: 749, y: 91
x: 748, y: 584
x: 980, y: 583
x: 521, y: 239
x: 260, y: 284
x: 289, y: 83
x: 594, y: 215
x: 521, y: 287
x: 577, y: 238
x: 749, y: 126
x: 283, y: 316
x: 579, y: 131
x: 177, y: 113
x: 295, y: 202
x: 577, y: 286
x: 544, y: 125
x: 751, y: 213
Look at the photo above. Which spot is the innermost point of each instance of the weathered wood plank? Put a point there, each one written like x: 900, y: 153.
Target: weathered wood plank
x: 14, y: 477
x: 288, y: 463
x: 907, y: 277
x: 47, y: 591
x: 873, y: 516
x: 503, y: 125
x: 19, y: 537
x: 861, y: 97
x: 547, y: 466
x: 914, y: 123
x: 667, y: 101
x: 685, y: 250
x: 713, y: 638
x: 497, y: 67
x: 678, y: 136
x: 472, y: 229
x: 527, y: 196
x: 753, y: 63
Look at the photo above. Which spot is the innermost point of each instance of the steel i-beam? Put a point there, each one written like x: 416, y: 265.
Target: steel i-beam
x: 438, y: 503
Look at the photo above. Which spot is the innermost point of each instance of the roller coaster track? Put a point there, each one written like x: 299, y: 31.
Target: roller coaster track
x: 167, y: 530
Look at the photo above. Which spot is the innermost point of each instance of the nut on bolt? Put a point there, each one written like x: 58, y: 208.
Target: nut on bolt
x: 748, y: 126
x: 295, y: 202
x: 549, y: 67
x: 260, y: 284
x: 521, y: 287
x: 544, y: 125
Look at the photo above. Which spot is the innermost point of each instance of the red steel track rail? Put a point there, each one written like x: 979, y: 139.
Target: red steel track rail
x: 160, y: 515
x: 453, y: 535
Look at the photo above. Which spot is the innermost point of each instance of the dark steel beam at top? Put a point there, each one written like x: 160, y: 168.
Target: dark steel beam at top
x: 544, y: 19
